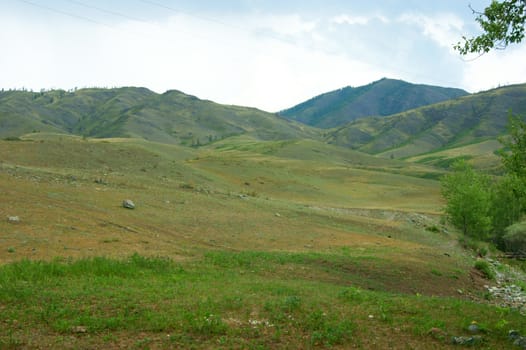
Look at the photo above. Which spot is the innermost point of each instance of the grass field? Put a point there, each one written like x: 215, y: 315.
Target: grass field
x: 240, y: 244
x: 481, y: 155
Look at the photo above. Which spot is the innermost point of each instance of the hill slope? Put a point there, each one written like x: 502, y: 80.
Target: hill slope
x: 381, y: 98
x: 238, y: 244
x: 462, y: 121
x: 172, y: 117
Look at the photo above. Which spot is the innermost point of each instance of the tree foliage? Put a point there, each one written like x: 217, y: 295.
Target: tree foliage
x: 482, y: 208
x: 514, y: 155
x: 468, y: 200
x: 507, y: 205
x: 515, y: 238
x: 502, y: 23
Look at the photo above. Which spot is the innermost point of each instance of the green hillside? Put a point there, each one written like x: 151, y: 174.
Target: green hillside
x: 465, y: 120
x: 172, y: 117
x: 239, y: 244
x: 380, y: 98
x: 481, y: 155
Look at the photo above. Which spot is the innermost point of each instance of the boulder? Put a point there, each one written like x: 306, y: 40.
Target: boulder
x: 473, y: 328
x: 13, y: 219
x: 128, y: 204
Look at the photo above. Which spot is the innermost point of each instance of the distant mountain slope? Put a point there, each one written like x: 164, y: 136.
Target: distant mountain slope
x: 172, y: 117
x: 462, y: 121
x: 381, y: 98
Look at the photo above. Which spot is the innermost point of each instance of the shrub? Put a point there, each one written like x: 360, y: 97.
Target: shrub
x: 515, y: 238
x: 468, y: 200
x: 187, y: 186
x: 483, y: 266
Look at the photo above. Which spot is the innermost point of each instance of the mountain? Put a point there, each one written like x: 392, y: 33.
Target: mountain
x: 380, y: 98
x: 171, y: 117
x: 465, y: 120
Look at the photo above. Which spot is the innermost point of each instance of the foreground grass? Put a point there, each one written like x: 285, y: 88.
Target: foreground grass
x: 253, y: 300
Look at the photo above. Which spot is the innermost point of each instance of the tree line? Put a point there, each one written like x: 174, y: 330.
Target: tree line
x: 491, y: 208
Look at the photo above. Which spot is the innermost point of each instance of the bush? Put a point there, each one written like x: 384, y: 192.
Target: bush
x: 515, y: 238
x: 468, y: 200
x: 478, y: 247
x: 508, y: 203
x: 12, y: 138
x: 483, y: 266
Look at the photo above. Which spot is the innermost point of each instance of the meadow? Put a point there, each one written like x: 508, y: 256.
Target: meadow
x: 240, y: 244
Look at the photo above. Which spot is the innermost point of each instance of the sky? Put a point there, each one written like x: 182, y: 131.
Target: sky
x: 266, y: 54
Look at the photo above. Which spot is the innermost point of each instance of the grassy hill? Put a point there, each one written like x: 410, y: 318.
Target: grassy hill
x: 172, y: 117
x: 380, y: 98
x: 238, y: 244
x: 481, y: 155
x: 459, y: 122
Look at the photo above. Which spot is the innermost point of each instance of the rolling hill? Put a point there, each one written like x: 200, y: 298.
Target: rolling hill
x: 268, y: 238
x: 380, y: 98
x: 171, y: 117
x: 238, y: 244
x: 459, y: 122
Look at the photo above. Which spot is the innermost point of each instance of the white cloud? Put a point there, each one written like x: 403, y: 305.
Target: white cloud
x: 283, y: 24
x: 262, y: 60
x: 497, y: 68
x: 358, y: 19
x: 351, y: 20
x: 227, y: 64
x: 443, y: 29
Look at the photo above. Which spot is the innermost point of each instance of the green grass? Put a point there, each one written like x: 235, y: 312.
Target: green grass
x: 240, y: 244
x: 225, y: 300
x: 484, y: 267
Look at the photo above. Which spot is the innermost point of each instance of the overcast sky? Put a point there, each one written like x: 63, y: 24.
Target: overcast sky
x: 266, y: 54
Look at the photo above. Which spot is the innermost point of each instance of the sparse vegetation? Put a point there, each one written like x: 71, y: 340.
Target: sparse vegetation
x: 240, y: 243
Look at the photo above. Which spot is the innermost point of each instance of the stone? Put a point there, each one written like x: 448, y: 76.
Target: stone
x: 13, y: 219
x: 513, y: 334
x: 128, y: 204
x: 520, y: 342
x: 473, y: 328
x: 517, y: 339
x: 80, y: 329
x: 474, y: 340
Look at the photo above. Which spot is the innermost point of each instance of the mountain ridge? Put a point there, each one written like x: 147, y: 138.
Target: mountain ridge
x: 380, y: 98
x: 177, y: 118
x: 467, y: 119
x: 171, y: 117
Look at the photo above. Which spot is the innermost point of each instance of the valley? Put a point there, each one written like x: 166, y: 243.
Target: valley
x: 267, y: 234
